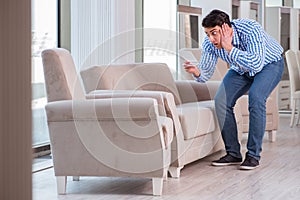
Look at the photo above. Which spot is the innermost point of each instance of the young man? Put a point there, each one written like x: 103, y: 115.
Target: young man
x: 256, y: 67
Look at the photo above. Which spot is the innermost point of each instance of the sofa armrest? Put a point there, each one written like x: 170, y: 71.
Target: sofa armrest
x: 165, y: 100
x: 191, y: 91
x: 158, y: 95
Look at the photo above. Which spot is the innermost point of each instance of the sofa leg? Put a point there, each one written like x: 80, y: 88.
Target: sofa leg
x: 75, y: 178
x: 157, y: 185
x: 272, y: 136
x: 61, y: 182
x: 175, y: 171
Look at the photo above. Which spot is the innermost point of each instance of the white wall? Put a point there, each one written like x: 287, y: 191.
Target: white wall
x: 296, y: 4
x: 207, y: 6
x: 273, y: 2
x: 102, y: 32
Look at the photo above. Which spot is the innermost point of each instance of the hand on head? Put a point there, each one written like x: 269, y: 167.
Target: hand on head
x: 226, y: 37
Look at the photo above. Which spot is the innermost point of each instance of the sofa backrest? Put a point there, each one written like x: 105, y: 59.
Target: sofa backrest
x: 137, y: 76
x: 62, y: 81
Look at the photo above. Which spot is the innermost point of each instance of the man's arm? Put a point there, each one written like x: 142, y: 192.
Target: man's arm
x: 207, y: 66
x: 252, y: 59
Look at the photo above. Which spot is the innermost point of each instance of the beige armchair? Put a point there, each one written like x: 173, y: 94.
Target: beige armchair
x: 272, y: 115
x: 120, y: 137
x: 241, y: 108
x: 294, y: 75
x: 188, y: 103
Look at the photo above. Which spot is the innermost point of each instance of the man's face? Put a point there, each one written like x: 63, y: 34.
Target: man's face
x: 214, y: 35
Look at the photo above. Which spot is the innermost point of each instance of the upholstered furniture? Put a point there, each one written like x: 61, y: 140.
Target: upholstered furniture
x: 241, y: 108
x: 294, y: 75
x: 119, y: 137
x: 298, y: 58
x: 188, y: 103
x: 272, y: 115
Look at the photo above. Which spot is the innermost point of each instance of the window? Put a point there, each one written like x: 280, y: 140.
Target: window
x: 44, y: 35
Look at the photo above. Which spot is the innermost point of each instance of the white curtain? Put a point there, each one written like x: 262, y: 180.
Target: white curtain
x: 102, y: 32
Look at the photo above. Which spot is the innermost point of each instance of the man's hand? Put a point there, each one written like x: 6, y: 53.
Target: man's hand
x: 191, y: 68
x: 226, y: 37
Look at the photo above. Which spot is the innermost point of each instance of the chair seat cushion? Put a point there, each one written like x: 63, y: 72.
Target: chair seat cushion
x: 244, y: 108
x: 197, y: 118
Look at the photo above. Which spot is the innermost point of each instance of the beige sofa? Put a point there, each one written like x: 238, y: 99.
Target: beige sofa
x: 188, y: 103
x: 119, y: 137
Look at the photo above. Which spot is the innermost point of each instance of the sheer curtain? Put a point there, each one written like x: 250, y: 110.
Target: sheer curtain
x: 102, y: 32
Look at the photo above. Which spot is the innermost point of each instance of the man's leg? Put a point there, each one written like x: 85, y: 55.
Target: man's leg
x: 263, y: 84
x: 233, y: 86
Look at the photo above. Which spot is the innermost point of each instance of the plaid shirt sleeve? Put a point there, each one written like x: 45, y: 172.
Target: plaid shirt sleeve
x: 207, y: 62
x: 257, y: 48
x: 251, y: 60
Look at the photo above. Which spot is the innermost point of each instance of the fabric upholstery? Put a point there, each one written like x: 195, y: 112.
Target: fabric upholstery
x: 196, y: 133
x: 142, y: 76
x: 195, y: 120
x: 294, y: 75
x: 61, y: 78
x: 272, y: 115
x: 119, y: 137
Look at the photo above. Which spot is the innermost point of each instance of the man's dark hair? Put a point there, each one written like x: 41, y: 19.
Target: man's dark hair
x: 215, y: 18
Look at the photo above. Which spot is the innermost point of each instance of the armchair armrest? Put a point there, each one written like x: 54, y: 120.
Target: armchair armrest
x: 191, y: 91
x: 118, y: 110
x: 102, y: 109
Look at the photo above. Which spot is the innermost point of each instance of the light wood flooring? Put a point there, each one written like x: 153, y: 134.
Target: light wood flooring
x: 277, y: 178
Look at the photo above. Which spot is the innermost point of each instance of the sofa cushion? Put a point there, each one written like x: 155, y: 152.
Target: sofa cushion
x: 197, y: 118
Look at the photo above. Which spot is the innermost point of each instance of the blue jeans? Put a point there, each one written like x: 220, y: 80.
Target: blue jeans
x: 259, y: 88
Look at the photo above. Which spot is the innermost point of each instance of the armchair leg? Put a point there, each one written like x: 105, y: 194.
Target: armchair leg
x: 157, y: 185
x: 165, y: 175
x: 61, y: 182
x: 75, y: 178
x: 293, y: 105
x: 298, y: 116
x: 175, y: 171
x: 272, y: 136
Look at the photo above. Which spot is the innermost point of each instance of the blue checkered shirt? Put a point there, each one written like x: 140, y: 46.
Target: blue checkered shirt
x: 252, y: 49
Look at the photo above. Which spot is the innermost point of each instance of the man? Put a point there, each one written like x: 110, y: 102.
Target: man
x: 256, y: 67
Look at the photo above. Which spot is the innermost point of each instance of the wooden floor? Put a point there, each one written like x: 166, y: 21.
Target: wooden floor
x: 278, y: 177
